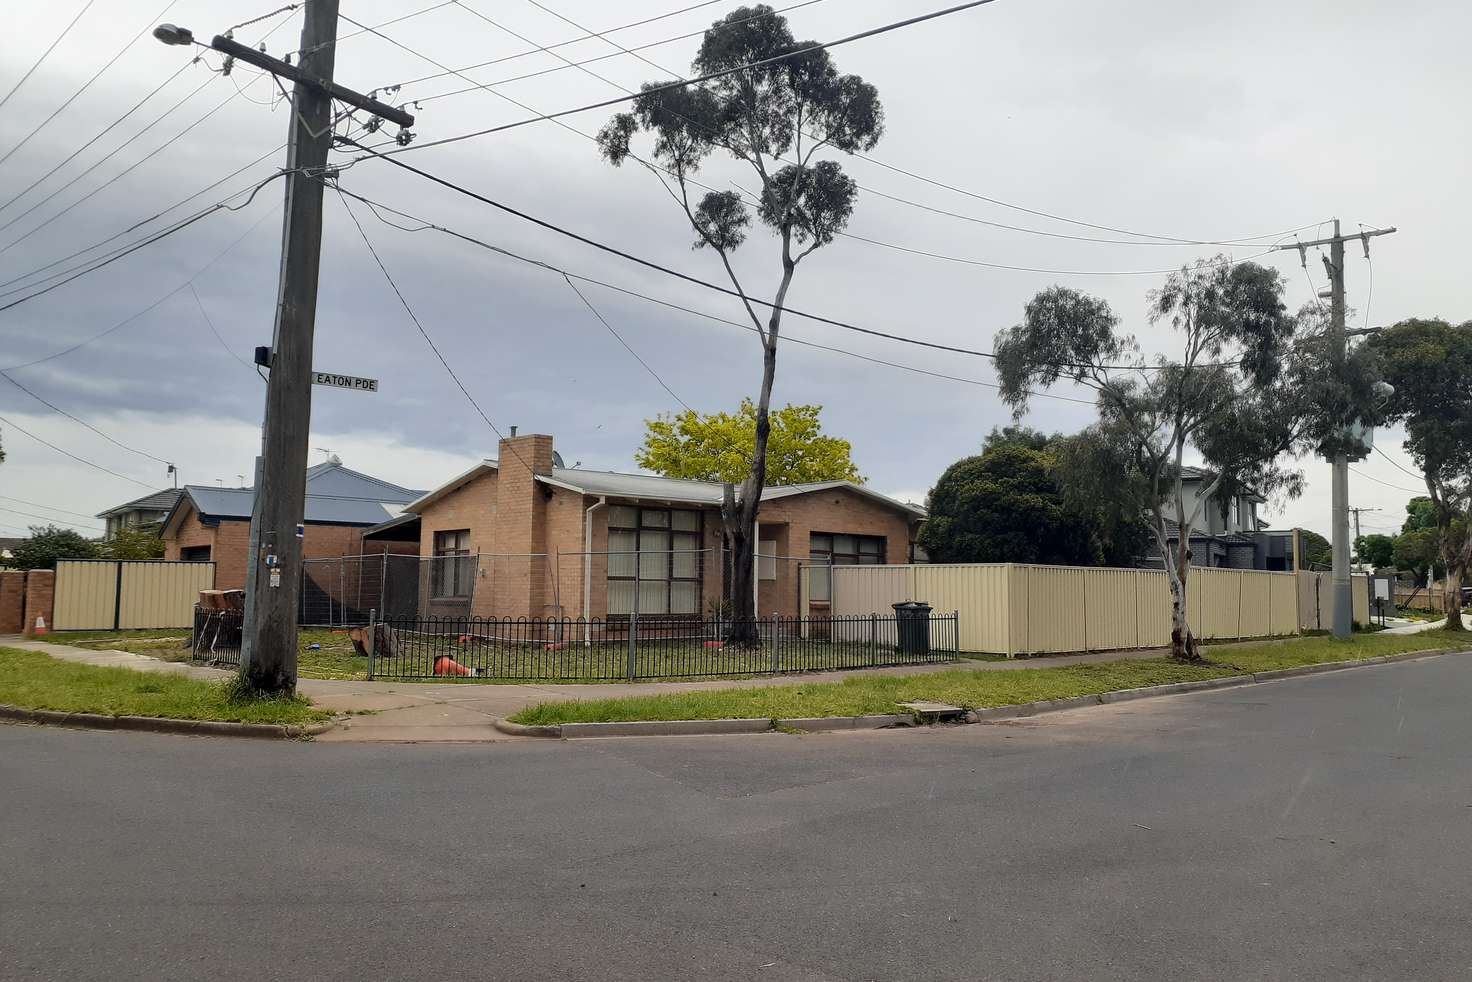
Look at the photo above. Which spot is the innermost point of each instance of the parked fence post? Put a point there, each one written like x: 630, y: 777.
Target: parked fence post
x: 633, y: 641
x: 372, y: 640
x: 776, y: 643
x: 956, y: 634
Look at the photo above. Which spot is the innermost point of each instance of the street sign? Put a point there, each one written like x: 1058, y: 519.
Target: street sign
x: 345, y: 381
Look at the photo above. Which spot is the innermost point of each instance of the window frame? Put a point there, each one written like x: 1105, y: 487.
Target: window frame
x: 638, y: 528
x: 821, y: 553
x: 459, y: 573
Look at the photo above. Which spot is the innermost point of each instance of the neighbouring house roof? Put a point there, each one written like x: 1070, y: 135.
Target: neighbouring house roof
x: 655, y: 488
x: 1190, y: 473
x: 336, y: 495
x: 1173, y: 531
x: 407, y: 518
x: 8, y: 545
x: 157, y: 501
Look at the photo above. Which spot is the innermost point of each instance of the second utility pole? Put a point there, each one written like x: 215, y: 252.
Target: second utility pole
x: 1334, y: 265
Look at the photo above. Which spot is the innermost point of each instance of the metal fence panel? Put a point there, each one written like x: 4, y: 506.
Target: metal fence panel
x: 110, y: 594
x: 159, y: 593
x: 1023, y: 609
x: 980, y: 590
x: 86, y: 595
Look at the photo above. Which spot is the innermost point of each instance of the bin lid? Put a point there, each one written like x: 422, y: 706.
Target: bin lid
x: 911, y: 605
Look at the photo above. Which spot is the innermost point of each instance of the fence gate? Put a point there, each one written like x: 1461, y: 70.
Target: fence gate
x: 112, y: 594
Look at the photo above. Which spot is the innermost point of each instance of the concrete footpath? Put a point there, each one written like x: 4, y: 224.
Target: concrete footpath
x: 464, y: 712
x: 446, y: 712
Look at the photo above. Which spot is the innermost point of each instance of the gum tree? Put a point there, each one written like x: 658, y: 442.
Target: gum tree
x: 775, y: 120
x: 1430, y: 364
x: 1249, y: 383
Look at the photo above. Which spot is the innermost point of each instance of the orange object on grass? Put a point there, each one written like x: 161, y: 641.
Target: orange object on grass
x: 715, y: 644
x: 445, y: 665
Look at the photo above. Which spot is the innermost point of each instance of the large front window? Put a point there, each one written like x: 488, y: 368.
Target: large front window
x: 452, y: 570
x: 654, y: 560
x: 827, y: 549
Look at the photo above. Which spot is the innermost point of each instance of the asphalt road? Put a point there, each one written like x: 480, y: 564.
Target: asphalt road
x: 1318, y: 828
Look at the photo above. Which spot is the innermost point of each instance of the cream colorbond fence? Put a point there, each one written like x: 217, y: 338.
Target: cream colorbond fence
x: 1013, y: 609
x: 106, y: 594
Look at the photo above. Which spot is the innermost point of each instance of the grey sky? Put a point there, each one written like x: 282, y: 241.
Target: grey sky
x: 1191, y: 120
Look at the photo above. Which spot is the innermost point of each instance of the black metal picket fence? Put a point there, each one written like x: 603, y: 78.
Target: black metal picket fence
x: 524, y: 649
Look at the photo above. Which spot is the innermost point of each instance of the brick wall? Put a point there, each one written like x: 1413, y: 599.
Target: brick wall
x: 471, y: 507
x: 12, y: 601
x: 840, y: 511
x: 40, y: 589
x: 519, y: 525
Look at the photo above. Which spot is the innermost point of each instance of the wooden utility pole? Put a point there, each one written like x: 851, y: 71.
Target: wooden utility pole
x: 1334, y: 266
x: 268, y: 644
x: 277, y: 524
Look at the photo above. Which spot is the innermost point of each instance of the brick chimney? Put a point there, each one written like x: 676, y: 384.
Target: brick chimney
x: 519, y: 584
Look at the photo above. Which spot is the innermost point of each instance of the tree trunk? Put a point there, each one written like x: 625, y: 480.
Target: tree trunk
x: 1451, y: 598
x: 740, y: 518
x: 1182, y: 642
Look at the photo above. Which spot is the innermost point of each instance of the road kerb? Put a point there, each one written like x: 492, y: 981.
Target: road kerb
x: 986, y: 714
x: 668, y: 727
x: 159, y: 724
x: 1151, y: 691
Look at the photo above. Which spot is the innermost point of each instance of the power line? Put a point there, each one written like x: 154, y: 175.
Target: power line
x: 47, y: 518
x: 211, y: 324
x: 655, y: 90
x: 47, y: 53
x: 954, y: 349
x: 68, y: 453
x: 122, y: 173
x: 620, y: 339
x: 55, y: 408
x: 97, y: 136
x: 374, y: 206
x: 539, y: 49
x: 128, y: 320
x: 1164, y: 240
x: 871, y: 241
x: 88, y: 84
x: 136, y: 225
x: 413, y: 317
x: 1387, y: 484
x: 37, y: 504
x: 1396, y: 464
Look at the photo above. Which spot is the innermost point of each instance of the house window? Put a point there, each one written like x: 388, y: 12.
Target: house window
x: 452, y: 570
x: 829, y: 549
x: 195, y: 554
x: 654, y: 561
x: 1235, y: 517
x: 766, y: 559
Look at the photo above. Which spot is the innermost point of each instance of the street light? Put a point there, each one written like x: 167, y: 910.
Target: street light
x: 170, y: 34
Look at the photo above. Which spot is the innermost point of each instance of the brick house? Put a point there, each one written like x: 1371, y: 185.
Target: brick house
x: 148, y: 511
x: 523, y: 536
x: 214, y: 523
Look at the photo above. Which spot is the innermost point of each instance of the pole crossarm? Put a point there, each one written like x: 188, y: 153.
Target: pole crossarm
x: 276, y: 66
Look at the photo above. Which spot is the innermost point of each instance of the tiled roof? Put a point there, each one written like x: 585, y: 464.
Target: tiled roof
x: 157, y: 501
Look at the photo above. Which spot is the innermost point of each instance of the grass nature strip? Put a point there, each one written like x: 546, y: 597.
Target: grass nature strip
x: 32, y: 680
x: 874, y: 695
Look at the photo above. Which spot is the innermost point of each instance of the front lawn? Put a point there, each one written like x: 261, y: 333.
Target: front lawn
x: 876, y: 695
x: 32, y: 680
x: 333, y: 659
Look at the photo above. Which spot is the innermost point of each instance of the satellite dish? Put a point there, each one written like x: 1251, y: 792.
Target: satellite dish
x: 557, y: 459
